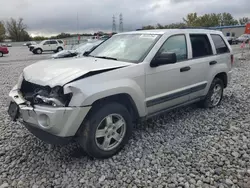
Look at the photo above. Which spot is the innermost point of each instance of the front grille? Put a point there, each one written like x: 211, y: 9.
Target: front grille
x: 29, y: 89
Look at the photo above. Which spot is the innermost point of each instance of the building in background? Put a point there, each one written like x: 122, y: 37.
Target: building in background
x: 231, y: 31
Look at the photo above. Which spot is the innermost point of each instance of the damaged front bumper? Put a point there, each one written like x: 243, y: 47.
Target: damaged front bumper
x: 58, y: 122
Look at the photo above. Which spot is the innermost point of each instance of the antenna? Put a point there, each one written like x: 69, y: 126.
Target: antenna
x: 114, y: 25
x: 121, y: 23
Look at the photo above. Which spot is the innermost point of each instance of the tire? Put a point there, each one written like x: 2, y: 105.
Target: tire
x: 38, y: 51
x: 59, y: 49
x: 211, y: 100
x: 99, y: 119
x: 1, y: 54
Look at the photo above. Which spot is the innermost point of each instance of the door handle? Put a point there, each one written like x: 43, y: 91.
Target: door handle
x: 212, y: 62
x: 185, y: 69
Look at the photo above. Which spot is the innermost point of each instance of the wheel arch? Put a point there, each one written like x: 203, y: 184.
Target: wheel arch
x: 223, y: 77
x: 121, y: 98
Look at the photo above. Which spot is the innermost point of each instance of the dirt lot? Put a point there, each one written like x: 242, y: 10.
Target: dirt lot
x: 188, y: 147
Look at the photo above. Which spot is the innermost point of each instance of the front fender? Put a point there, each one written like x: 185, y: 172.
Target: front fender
x: 87, y: 95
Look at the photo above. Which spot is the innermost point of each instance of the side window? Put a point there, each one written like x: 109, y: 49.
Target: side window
x: 200, y: 45
x: 46, y: 43
x: 176, y: 44
x: 61, y: 42
x: 53, y: 42
x: 220, y: 44
x: 228, y: 34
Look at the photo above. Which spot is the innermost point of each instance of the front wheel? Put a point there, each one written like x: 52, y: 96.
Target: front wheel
x: 106, y: 130
x: 214, y: 95
x: 1, y: 54
x: 38, y: 51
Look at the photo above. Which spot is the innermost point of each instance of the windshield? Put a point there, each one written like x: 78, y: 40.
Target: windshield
x: 87, y: 46
x: 126, y: 47
x: 79, y: 45
x: 42, y: 42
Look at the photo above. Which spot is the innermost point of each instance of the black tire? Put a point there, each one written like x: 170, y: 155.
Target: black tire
x: 38, y: 51
x: 207, y: 102
x: 59, y: 49
x: 86, y: 135
x: 1, y: 54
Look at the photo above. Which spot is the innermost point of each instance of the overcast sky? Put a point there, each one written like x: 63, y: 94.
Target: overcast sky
x: 48, y: 17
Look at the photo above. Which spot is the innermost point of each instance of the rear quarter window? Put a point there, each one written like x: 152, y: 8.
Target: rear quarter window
x: 220, y: 45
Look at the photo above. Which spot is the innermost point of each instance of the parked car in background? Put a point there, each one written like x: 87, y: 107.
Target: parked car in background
x: 9, y: 45
x: 78, y: 51
x: 244, y: 38
x: 47, y: 45
x: 3, y: 50
x: 232, y: 40
x: 29, y: 43
x: 4, y: 44
x: 132, y: 76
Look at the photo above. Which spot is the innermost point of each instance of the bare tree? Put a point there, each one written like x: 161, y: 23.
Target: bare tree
x: 244, y: 20
x: 17, y: 30
x: 2, y: 31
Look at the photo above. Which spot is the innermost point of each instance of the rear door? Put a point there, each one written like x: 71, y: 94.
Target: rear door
x: 200, y: 57
x: 222, y: 56
x: 53, y: 45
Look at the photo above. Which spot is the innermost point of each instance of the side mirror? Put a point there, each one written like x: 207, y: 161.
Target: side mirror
x: 163, y: 59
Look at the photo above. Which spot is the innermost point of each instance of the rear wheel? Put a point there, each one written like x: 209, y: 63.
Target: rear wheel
x: 59, y: 49
x: 1, y: 54
x: 106, y: 131
x: 215, y: 94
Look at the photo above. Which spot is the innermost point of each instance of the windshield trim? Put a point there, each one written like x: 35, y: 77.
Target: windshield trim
x: 143, y: 56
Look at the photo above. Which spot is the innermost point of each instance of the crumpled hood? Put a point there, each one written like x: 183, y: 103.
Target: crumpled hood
x: 59, y: 72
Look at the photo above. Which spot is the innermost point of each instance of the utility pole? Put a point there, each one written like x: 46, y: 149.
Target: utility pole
x: 78, y: 37
x: 121, y: 23
x: 114, y: 25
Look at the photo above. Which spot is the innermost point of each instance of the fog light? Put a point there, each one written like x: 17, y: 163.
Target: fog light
x: 43, y: 120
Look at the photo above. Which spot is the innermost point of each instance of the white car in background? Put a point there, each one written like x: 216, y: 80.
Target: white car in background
x: 244, y: 38
x: 47, y: 45
x: 78, y: 50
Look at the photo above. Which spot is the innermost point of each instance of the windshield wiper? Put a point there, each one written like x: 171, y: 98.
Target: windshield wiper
x: 105, y: 57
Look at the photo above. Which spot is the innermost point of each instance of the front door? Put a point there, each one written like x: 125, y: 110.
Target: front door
x: 168, y: 85
x: 46, y: 46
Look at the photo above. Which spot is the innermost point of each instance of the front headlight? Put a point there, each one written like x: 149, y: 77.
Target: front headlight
x: 54, y: 97
x: 20, y: 80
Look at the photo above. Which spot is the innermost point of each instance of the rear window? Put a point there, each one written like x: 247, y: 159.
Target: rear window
x: 220, y: 44
x: 201, y: 46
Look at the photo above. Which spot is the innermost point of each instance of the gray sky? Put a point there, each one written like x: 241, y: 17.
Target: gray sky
x: 48, y: 17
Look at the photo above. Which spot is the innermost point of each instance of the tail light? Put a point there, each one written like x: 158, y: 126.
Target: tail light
x: 232, y: 59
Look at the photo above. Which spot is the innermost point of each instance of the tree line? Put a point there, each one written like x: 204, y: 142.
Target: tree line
x: 206, y: 20
x: 16, y: 30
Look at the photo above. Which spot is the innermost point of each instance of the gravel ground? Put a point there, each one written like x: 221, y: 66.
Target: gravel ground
x: 188, y: 147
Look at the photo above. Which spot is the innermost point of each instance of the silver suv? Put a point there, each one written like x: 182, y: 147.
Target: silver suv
x: 132, y: 76
x: 47, y: 45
